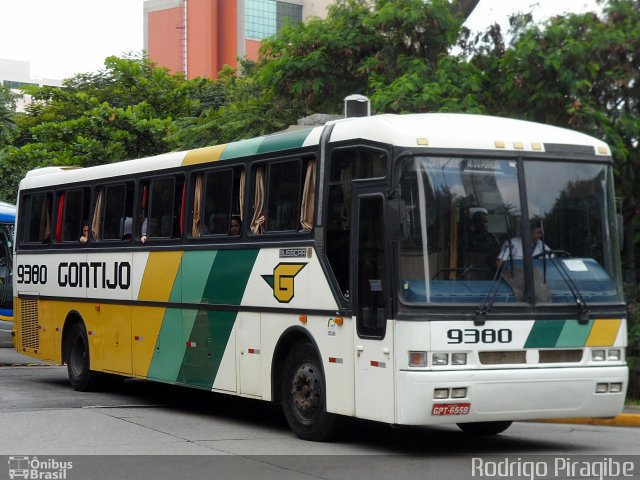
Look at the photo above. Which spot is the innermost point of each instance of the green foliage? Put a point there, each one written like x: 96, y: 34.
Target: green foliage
x: 7, y: 111
x: 124, y: 111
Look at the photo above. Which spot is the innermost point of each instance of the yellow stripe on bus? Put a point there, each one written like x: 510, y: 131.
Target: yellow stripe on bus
x: 145, y: 329
x: 603, y: 333
x: 159, y: 276
x: 204, y: 155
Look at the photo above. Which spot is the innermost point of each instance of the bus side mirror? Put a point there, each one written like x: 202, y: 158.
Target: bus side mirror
x: 397, y: 220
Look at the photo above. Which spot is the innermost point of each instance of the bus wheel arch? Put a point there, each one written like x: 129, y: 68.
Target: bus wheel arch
x: 75, y: 353
x: 303, y: 392
x: 286, y: 342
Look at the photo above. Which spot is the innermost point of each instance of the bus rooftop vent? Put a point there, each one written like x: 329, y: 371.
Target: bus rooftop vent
x: 357, y: 106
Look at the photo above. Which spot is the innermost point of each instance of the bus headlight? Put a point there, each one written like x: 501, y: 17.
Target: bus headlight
x: 458, y: 359
x: 441, y: 393
x: 440, y: 359
x: 458, y: 392
x: 615, y: 388
x: 613, y: 355
x: 602, y: 388
x: 597, y: 355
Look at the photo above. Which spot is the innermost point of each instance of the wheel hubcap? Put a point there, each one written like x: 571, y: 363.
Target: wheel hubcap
x: 306, y: 391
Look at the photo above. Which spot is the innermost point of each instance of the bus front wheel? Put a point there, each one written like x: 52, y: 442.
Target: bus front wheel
x: 484, y: 428
x: 77, y: 357
x: 304, y: 395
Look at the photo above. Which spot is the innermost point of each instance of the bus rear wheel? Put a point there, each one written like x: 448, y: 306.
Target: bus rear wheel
x: 304, y: 395
x: 81, y: 377
x: 484, y: 428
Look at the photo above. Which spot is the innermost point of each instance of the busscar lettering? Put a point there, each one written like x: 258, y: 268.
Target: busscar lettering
x: 94, y: 275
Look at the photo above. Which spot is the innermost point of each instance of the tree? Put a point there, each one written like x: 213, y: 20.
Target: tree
x: 361, y: 47
x: 581, y: 72
x: 124, y: 111
x: 7, y: 112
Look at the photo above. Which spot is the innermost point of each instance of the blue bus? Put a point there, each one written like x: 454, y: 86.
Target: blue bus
x: 7, y: 223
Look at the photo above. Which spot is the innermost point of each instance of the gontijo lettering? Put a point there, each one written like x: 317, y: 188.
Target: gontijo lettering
x: 95, y: 275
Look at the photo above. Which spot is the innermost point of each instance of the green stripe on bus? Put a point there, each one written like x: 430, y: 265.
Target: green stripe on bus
x: 574, y: 334
x: 544, y: 334
x: 284, y: 141
x: 242, y: 148
x: 169, y: 352
x: 207, y: 343
x: 229, y: 276
x: 197, y: 265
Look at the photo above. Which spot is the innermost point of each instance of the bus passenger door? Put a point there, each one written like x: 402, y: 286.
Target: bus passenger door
x: 373, y: 340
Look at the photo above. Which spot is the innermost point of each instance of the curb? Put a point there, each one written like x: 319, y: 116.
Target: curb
x: 622, y: 420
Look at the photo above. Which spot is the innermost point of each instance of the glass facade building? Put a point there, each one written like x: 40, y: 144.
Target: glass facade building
x: 265, y: 17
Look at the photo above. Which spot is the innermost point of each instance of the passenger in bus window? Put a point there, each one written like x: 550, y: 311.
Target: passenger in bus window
x: 143, y: 231
x: 84, y: 237
x: 236, y: 226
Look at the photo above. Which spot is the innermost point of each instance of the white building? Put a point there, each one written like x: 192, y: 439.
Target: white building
x: 17, y: 73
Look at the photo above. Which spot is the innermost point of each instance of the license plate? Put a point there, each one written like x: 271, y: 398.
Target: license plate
x: 450, y: 408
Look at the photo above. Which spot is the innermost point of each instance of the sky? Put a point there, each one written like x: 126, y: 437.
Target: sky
x: 63, y: 37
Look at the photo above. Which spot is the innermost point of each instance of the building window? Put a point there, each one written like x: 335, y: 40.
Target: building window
x: 288, y: 13
x: 265, y: 17
x: 260, y: 18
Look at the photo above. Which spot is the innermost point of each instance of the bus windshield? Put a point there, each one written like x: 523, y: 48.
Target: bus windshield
x: 467, y: 237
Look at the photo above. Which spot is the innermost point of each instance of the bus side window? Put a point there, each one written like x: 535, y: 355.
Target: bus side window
x: 166, y: 211
x: 37, y: 221
x: 113, y: 212
x: 217, y: 202
x: 76, y: 211
x: 278, y: 198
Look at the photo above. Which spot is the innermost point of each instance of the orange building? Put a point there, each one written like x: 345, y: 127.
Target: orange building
x: 199, y: 37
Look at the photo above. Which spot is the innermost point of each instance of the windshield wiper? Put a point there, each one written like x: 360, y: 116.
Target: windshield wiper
x: 583, y: 309
x: 485, y: 307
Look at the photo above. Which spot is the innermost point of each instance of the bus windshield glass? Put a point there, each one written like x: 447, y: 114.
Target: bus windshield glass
x: 465, y: 241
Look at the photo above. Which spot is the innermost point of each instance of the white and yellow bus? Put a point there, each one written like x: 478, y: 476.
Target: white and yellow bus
x: 414, y: 270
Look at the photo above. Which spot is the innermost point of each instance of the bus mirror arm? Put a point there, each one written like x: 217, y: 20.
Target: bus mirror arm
x: 397, y: 219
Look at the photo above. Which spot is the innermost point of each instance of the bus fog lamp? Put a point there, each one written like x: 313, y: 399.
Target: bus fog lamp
x: 440, y: 359
x: 417, y: 359
x: 602, y: 388
x: 615, y: 388
x: 458, y: 392
x: 597, y: 355
x: 440, y: 393
x: 458, y: 359
x: 613, y: 355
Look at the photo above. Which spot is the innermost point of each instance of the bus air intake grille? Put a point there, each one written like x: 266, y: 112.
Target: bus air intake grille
x: 560, y: 356
x: 503, y: 358
x: 29, y: 321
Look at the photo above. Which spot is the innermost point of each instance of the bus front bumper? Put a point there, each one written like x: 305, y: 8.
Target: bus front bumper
x: 509, y: 394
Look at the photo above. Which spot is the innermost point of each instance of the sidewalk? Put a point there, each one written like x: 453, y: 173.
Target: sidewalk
x: 9, y: 358
x: 630, y: 417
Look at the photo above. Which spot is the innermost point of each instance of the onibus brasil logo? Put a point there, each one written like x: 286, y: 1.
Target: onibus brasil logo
x: 282, y: 280
x: 33, y: 468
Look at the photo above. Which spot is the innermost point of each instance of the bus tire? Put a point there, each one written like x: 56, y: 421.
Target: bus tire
x: 484, y: 428
x: 81, y: 377
x: 304, y: 395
